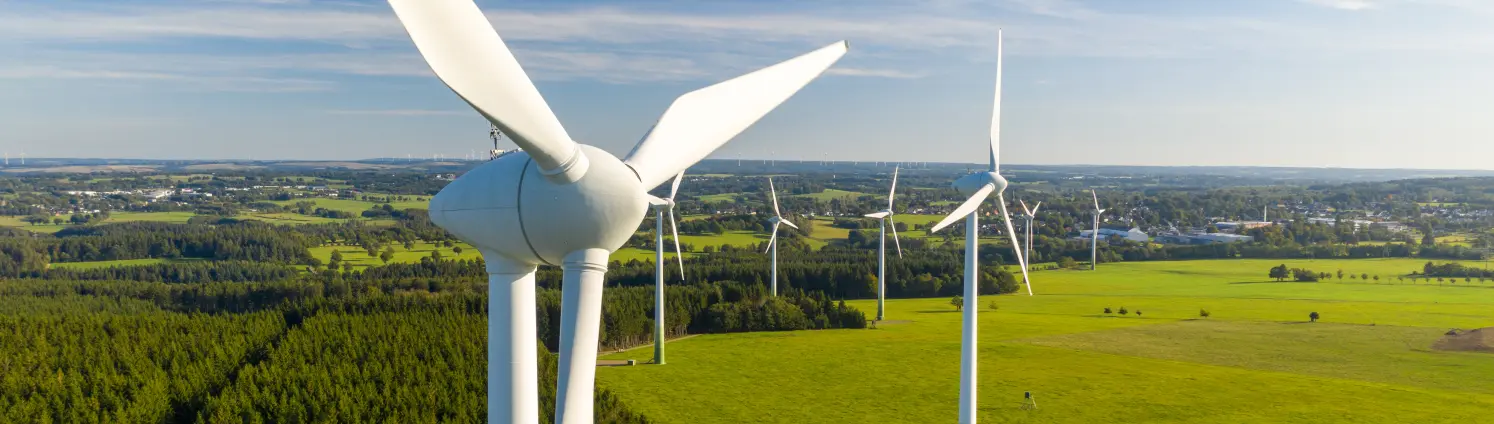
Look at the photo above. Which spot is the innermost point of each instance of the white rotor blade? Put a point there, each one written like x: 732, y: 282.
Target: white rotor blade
x: 966, y: 208
x: 996, y: 112
x: 703, y: 120
x: 1097, y: 200
x: 893, y: 190
x: 893, y: 227
x: 675, y: 189
x: 463, y: 50
x: 1035, y: 208
x: 678, y: 255
x: 655, y: 200
x: 878, y: 215
x: 1024, y: 207
x: 785, y: 221
x: 773, y: 238
x: 774, y: 194
x: 1016, y: 247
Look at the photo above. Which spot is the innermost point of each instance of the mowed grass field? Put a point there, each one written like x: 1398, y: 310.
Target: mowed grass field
x: 1255, y: 359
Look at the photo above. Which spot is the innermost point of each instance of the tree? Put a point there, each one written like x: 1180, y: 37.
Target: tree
x: 958, y: 302
x: 1279, y: 272
x: 435, y: 255
x: 1377, y: 278
x: 1313, y: 316
x: 336, y: 256
x: 993, y: 305
x: 386, y: 256
x: 1067, y: 262
x: 1340, y: 274
x: 457, y: 250
x: 1138, y: 312
x: 1364, y: 276
x: 1122, y: 310
x: 1304, y: 275
x: 1203, y: 313
x: 1400, y: 278
x: 1107, y: 310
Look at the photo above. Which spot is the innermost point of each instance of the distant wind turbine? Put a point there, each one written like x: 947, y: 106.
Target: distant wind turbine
x: 773, y: 240
x: 660, y: 206
x: 884, y: 216
x: 1094, y: 235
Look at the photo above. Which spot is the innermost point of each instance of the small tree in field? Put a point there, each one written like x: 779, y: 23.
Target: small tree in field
x: 1340, y: 274
x: 1313, y: 316
x: 1364, y: 276
x: 958, y: 302
x: 1138, y: 312
x: 1107, y: 310
x: 457, y: 250
x: 1377, y: 278
x: 993, y: 305
x: 1353, y: 277
x: 1204, y: 313
x: 1122, y: 310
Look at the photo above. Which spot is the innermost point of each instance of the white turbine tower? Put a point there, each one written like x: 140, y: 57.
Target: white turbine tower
x: 773, y: 239
x: 1094, y: 235
x: 979, y: 186
x: 559, y: 202
x: 660, y: 206
x: 1031, y: 215
x: 884, y: 216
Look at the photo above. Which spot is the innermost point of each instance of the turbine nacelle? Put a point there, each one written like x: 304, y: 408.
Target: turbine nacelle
x: 968, y: 185
x: 538, y: 221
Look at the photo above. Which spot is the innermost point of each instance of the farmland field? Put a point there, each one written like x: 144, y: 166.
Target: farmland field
x: 1256, y: 358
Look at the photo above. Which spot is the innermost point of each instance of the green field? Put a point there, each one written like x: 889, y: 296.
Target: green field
x: 177, y: 217
x: 1255, y: 359
x: 719, y: 198
x: 830, y: 193
x: 359, y: 258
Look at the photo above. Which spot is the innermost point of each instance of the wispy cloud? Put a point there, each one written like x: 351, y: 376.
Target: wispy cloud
x: 878, y: 73
x: 1344, y: 4
x: 400, y: 112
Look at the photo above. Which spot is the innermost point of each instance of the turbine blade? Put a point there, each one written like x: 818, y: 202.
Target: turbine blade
x: 655, y: 200
x: 1024, y: 207
x: 465, y: 52
x: 774, y: 193
x: 893, y: 190
x: 878, y: 215
x: 703, y: 120
x: 1097, y: 200
x: 678, y: 255
x: 1035, y: 208
x: 996, y: 112
x: 675, y: 189
x: 893, y: 227
x: 1016, y: 246
x: 773, y: 238
x: 966, y: 208
x: 786, y: 222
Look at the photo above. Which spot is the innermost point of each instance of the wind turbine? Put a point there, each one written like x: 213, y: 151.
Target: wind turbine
x: 1094, y: 235
x: 660, y: 206
x: 1027, y: 244
x: 558, y: 202
x: 884, y: 216
x: 773, y: 240
x: 979, y: 186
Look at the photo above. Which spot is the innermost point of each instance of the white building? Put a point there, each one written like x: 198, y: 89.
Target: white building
x: 1134, y: 234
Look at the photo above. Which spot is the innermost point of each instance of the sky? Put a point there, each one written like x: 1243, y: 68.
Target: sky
x: 1318, y: 83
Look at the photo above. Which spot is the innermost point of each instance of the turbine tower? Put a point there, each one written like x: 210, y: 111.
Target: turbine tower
x: 773, y: 239
x: 1031, y: 214
x: 559, y: 202
x: 884, y: 216
x: 1094, y: 235
x: 979, y: 186
x: 660, y: 206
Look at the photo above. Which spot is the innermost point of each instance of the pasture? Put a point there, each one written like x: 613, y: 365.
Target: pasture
x: 1256, y: 358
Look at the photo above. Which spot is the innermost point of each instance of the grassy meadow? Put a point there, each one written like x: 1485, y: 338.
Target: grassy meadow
x: 1256, y: 358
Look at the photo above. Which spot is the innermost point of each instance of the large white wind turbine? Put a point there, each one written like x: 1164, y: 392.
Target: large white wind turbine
x: 661, y: 206
x: 773, y: 239
x: 979, y: 186
x: 884, y: 216
x: 559, y: 202
x: 1094, y: 235
x: 1031, y: 215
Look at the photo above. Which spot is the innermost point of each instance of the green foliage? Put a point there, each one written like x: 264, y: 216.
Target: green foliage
x: 958, y: 302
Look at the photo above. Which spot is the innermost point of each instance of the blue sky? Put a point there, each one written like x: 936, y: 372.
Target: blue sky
x: 1347, y: 83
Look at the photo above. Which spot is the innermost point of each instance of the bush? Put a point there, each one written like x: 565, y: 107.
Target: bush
x: 1203, y: 313
x: 993, y: 305
x: 1313, y: 316
x: 1107, y: 310
x: 1138, y: 312
x: 1122, y: 310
